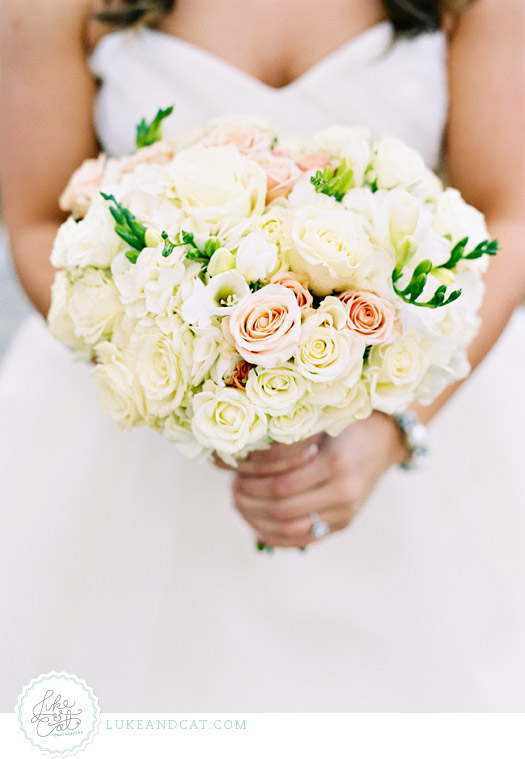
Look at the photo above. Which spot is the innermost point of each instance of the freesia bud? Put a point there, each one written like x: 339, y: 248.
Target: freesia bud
x: 152, y: 237
x: 222, y: 260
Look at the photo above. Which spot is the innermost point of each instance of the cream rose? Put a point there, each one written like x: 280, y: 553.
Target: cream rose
x: 352, y: 143
x: 298, y: 424
x: 158, y: 361
x: 457, y: 218
x: 225, y: 420
x: 89, y: 242
x: 368, y: 315
x: 59, y: 319
x: 281, y: 173
x: 331, y: 247
x: 216, y: 183
x: 352, y: 407
x: 265, y: 327
x: 118, y: 391
x: 395, y: 164
x: 94, y: 306
x: 82, y: 186
x: 395, y: 370
x: 298, y: 284
x: 326, y: 353
x: 256, y: 258
x: 277, y: 390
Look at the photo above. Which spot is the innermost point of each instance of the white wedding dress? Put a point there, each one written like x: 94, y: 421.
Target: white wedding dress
x: 125, y: 563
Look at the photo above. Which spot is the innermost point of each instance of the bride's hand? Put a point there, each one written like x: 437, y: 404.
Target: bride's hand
x: 276, y: 490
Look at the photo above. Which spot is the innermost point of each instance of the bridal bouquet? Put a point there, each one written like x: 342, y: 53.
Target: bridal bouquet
x: 239, y: 286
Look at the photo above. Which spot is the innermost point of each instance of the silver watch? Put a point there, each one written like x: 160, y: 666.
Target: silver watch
x: 414, y: 436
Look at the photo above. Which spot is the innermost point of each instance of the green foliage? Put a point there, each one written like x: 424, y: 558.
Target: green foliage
x: 147, y: 134
x: 489, y: 248
x: 335, y: 184
x: 418, y: 280
x: 415, y: 287
x: 128, y: 227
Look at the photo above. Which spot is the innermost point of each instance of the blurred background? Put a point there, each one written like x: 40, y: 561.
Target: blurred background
x: 13, y: 302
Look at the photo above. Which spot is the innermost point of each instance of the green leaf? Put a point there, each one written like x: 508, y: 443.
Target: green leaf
x: 456, y: 254
x: 333, y: 184
x: 484, y: 248
x: 127, y: 226
x: 147, y: 134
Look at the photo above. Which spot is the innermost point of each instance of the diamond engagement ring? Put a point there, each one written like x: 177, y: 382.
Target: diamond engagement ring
x: 319, y: 528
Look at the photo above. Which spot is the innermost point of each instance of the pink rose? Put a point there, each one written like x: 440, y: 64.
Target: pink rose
x: 281, y: 173
x: 265, y: 327
x: 159, y: 153
x: 84, y: 183
x: 247, y: 139
x: 298, y: 284
x: 309, y: 161
x: 368, y: 315
x: 239, y: 374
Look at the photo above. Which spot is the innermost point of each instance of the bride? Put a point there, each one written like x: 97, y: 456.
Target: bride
x: 123, y: 563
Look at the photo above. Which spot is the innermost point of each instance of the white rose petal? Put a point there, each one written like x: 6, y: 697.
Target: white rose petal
x: 224, y: 419
x: 256, y: 258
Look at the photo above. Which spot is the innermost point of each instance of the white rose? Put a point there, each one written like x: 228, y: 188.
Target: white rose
x: 298, y: 424
x: 89, y: 242
x: 158, y: 361
x: 394, y: 164
x: 395, y: 370
x: 456, y: 218
x: 328, y: 352
x: 94, y: 306
x: 214, y: 183
x: 206, y: 351
x: 275, y: 224
x: 59, y: 319
x: 352, y: 143
x: 118, y: 391
x: 276, y: 391
x: 224, y: 419
x: 332, y: 248
x: 256, y: 257
x: 353, y: 406
x: 177, y: 428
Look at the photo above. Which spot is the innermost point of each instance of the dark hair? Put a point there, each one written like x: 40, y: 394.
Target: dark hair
x: 406, y: 15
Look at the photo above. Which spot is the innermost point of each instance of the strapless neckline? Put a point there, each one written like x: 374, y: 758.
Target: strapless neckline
x: 360, y: 49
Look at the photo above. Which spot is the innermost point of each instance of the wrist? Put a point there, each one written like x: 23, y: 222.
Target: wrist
x: 396, y: 447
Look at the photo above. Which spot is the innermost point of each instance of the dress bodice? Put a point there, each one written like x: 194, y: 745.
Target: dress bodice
x: 394, y: 85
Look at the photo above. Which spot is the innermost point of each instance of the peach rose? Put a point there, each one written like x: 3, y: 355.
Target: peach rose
x: 298, y: 284
x: 368, y: 315
x: 247, y: 139
x: 159, y: 153
x: 309, y: 161
x: 281, y: 173
x: 83, y: 184
x: 239, y: 374
x: 265, y: 327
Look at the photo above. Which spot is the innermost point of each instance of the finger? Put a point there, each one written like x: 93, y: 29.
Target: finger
x: 220, y: 464
x: 297, y: 542
x: 335, y: 517
x: 311, y: 474
x: 279, y: 458
x: 337, y: 491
